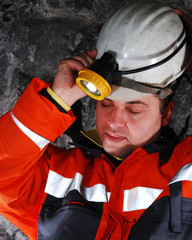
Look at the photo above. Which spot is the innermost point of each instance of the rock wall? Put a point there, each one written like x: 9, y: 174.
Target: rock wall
x: 36, y: 35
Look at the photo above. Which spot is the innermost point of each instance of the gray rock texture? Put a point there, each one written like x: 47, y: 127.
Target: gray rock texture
x: 36, y: 35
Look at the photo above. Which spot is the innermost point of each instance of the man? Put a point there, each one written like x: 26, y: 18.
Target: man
x: 132, y: 179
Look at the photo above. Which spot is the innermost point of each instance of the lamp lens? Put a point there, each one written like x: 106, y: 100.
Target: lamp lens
x: 90, y: 88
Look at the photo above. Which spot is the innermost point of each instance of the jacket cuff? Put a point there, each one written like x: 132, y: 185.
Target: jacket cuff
x: 39, y: 114
x: 55, y: 99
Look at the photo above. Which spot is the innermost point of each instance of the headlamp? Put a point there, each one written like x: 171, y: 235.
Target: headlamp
x: 95, y: 81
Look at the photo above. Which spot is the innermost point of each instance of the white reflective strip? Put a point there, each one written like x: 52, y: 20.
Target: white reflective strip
x: 37, y: 139
x: 184, y: 174
x: 58, y: 186
x: 139, y: 198
x: 108, y: 195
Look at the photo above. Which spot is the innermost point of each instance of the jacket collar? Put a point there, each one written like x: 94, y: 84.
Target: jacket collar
x: 90, y: 142
x: 164, y: 145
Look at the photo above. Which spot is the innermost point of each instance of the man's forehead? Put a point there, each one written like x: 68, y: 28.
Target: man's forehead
x: 142, y: 101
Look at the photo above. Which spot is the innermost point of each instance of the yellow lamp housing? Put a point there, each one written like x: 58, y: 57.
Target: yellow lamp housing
x: 93, y: 84
x: 95, y: 81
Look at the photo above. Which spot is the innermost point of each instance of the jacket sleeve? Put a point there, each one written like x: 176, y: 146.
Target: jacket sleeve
x: 25, y: 133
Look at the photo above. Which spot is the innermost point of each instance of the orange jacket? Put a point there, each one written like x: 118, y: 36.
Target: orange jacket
x: 111, y: 196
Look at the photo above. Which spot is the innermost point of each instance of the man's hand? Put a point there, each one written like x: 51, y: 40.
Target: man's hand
x: 188, y: 21
x: 64, y: 84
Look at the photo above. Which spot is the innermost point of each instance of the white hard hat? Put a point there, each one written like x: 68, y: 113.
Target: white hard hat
x: 140, y: 35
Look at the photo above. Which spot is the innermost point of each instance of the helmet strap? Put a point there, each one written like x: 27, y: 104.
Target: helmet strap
x: 142, y: 87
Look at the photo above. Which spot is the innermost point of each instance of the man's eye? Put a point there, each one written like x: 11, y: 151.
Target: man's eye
x: 106, y: 103
x: 134, y: 111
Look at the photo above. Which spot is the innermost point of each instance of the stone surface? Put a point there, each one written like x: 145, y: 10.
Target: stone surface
x: 36, y: 35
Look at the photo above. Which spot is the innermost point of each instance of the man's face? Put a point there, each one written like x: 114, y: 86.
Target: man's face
x: 124, y: 126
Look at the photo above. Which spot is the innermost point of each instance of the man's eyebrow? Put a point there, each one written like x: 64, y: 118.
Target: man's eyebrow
x: 137, y: 102
x: 131, y: 102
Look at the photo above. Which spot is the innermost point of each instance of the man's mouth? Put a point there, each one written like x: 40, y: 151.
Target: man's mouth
x: 114, y: 137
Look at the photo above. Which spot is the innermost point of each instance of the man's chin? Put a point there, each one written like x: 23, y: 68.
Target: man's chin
x: 121, y: 152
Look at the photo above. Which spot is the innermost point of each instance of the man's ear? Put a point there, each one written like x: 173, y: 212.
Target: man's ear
x: 167, y: 113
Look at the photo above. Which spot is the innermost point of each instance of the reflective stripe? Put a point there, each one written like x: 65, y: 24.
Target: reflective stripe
x: 139, y: 198
x: 184, y: 174
x: 58, y: 186
x: 37, y: 139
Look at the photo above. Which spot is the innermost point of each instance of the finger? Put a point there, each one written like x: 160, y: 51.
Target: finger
x: 85, y: 59
x: 184, y: 16
x: 71, y: 64
x: 181, y: 13
x: 76, y: 63
x: 92, y: 53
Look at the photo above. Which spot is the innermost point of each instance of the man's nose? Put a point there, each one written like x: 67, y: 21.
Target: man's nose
x: 117, y: 117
